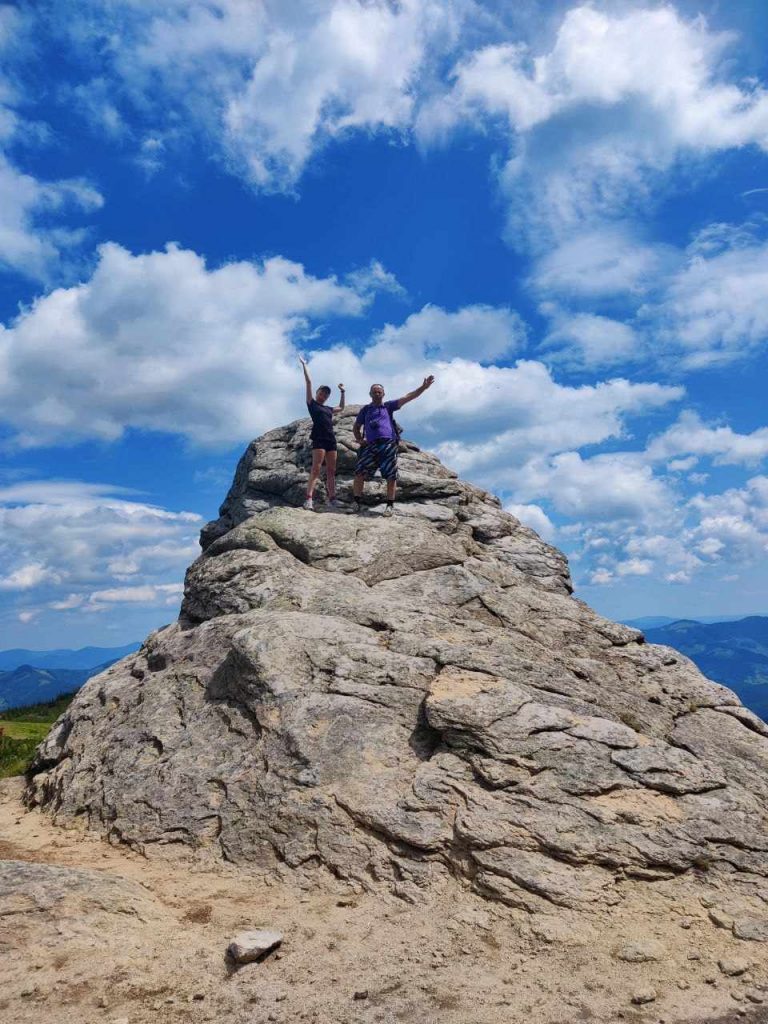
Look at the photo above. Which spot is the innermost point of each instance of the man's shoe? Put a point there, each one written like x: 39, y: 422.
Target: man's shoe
x: 332, y: 505
x: 309, y: 505
x: 356, y: 506
x: 389, y: 511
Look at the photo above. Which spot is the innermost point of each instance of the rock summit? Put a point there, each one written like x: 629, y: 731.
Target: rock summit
x: 411, y: 703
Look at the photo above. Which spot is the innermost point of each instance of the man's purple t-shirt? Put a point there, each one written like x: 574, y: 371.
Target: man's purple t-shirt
x: 377, y: 420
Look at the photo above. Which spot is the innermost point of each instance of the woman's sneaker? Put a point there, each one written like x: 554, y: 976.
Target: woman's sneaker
x: 309, y: 505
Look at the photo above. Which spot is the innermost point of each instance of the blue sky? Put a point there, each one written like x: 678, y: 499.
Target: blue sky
x: 561, y: 211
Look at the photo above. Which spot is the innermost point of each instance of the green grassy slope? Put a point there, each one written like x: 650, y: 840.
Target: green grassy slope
x: 21, y: 729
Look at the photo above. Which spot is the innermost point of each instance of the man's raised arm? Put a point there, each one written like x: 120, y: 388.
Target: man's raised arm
x: 426, y: 383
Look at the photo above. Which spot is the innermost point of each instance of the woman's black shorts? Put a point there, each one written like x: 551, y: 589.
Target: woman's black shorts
x: 326, y: 443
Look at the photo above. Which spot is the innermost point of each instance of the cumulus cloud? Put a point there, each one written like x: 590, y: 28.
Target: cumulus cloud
x: 605, y: 487
x: 33, y: 213
x: 673, y: 538
x: 602, y: 261
x: 159, y: 593
x: 522, y: 413
x: 581, y: 340
x: 25, y: 577
x: 160, y: 342
x: 71, y: 545
x: 697, y: 307
x: 690, y: 436
x: 736, y: 521
x: 269, y: 83
x: 480, y: 332
x: 713, y: 310
x: 618, y: 98
x: 535, y: 517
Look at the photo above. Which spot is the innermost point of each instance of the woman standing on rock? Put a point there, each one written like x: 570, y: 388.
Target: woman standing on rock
x: 322, y: 437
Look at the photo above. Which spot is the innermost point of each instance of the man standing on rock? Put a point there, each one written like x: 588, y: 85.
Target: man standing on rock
x: 377, y: 435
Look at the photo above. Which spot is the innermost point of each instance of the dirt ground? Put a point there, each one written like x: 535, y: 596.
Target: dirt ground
x: 347, y: 958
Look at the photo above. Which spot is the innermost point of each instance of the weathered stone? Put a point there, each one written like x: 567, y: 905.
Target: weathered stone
x: 251, y: 945
x: 639, y: 952
x: 644, y: 995
x: 732, y: 968
x: 397, y: 701
x: 61, y: 894
x: 719, y: 918
x: 751, y: 929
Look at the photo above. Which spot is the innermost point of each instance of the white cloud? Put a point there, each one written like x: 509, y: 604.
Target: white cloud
x: 535, y: 517
x: 690, y: 436
x: 675, y: 539
x: 373, y: 279
x: 736, y: 521
x: 603, y: 260
x: 26, y: 577
x: 480, y: 332
x: 605, y: 487
x: 618, y: 98
x: 601, y: 577
x: 501, y: 423
x: 160, y: 342
x: 270, y: 83
x: 634, y: 567
x: 61, y: 542
x: 588, y: 340
x: 30, y: 242
x: 690, y: 309
x: 67, y: 603
x: 166, y: 593
x: 604, y: 59
x: 678, y: 577
x: 713, y: 310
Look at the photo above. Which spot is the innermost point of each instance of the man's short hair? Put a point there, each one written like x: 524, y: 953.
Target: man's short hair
x: 370, y: 389
x: 325, y: 388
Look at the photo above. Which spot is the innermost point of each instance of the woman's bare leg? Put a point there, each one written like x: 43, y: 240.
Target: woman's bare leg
x: 330, y: 474
x: 318, y: 454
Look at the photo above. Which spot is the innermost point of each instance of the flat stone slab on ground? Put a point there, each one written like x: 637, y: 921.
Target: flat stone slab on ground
x: 248, y: 946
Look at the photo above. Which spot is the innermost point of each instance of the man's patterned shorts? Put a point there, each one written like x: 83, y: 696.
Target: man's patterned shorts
x: 375, y: 455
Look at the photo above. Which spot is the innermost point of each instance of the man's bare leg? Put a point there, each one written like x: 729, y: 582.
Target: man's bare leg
x: 357, y: 492
x: 389, y: 509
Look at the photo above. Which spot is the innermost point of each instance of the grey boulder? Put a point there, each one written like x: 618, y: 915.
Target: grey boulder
x: 399, y: 702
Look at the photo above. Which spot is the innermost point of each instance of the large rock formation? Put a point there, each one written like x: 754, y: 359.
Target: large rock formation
x: 401, y: 701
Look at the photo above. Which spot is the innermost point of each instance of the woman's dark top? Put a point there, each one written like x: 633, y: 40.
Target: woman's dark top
x: 322, y: 435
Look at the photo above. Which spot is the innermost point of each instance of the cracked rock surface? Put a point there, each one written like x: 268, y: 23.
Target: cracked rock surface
x: 402, y: 702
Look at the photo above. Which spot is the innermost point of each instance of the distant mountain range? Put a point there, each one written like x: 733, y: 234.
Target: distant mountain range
x: 733, y: 652
x: 654, y: 621
x: 84, y: 657
x: 35, y: 677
